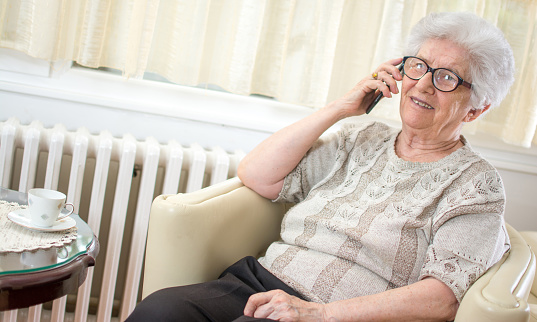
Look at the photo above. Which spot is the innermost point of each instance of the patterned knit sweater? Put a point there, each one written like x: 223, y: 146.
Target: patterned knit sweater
x: 367, y: 221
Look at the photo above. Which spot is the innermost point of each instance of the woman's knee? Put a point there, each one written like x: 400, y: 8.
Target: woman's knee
x: 171, y: 304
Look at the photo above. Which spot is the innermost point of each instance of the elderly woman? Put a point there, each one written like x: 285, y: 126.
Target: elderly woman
x: 390, y: 224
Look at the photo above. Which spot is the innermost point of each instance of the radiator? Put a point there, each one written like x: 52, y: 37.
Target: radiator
x: 112, y: 182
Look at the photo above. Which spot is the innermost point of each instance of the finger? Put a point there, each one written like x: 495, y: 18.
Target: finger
x: 394, y: 61
x: 383, y: 88
x: 372, y: 88
x: 394, y: 68
x: 391, y: 67
x: 281, y: 305
x: 256, y: 301
x: 264, y: 311
x: 389, y: 80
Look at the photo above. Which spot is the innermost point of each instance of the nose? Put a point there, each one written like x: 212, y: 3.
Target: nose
x: 425, y: 84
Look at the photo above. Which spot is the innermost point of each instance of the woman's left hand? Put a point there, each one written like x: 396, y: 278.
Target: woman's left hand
x: 280, y: 306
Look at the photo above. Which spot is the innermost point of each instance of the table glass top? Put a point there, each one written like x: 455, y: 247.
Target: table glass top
x: 43, y: 259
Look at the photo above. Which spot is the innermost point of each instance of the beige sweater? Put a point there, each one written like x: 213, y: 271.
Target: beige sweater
x: 367, y: 221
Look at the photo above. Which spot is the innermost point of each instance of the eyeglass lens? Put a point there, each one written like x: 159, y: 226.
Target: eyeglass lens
x: 443, y: 79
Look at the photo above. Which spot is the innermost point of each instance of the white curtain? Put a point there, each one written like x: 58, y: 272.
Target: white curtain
x: 304, y: 52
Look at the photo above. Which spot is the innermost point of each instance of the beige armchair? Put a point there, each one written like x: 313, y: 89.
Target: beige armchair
x: 193, y: 237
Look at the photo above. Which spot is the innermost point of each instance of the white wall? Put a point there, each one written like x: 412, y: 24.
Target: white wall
x: 32, y: 90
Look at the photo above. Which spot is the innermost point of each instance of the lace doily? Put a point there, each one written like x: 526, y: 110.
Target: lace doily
x: 14, y: 238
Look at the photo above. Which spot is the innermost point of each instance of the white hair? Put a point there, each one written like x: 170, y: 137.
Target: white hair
x: 490, y: 57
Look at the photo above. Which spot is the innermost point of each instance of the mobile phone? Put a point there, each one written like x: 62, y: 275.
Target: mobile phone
x: 380, y: 96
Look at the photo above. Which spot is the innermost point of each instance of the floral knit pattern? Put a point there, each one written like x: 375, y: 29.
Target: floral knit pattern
x: 368, y: 221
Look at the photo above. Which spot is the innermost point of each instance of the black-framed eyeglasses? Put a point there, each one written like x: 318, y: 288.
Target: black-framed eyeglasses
x: 444, y: 80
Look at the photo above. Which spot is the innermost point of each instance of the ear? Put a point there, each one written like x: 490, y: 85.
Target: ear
x: 475, y: 113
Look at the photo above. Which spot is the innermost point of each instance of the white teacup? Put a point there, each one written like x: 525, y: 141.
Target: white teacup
x: 45, y: 206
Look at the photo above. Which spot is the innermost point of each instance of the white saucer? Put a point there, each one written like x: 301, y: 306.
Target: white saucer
x: 21, y: 217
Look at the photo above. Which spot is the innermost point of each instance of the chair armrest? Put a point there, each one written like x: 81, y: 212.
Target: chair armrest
x: 501, y: 294
x: 194, y: 237
x: 531, y: 239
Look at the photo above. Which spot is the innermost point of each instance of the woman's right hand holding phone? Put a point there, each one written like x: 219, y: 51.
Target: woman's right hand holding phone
x: 266, y: 166
x: 382, y: 81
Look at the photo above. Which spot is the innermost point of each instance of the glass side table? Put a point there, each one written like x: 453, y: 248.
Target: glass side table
x: 33, y: 277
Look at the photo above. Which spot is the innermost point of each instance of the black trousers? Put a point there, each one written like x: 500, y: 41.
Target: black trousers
x: 220, y: 300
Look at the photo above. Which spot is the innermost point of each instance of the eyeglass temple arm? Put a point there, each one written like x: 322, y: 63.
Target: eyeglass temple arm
x: 466, y: 84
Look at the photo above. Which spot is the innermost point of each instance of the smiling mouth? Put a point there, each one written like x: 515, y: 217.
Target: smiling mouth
x: 429, y: 107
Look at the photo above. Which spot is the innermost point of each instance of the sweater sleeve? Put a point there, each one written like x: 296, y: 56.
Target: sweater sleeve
x: 315, y: 166
x: 470, y: 235
x: 328, y: 154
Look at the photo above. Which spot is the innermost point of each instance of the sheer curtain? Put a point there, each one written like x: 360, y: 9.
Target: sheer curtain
x: 304, y: 52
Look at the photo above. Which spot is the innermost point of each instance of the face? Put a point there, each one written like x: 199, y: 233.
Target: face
x: 438, y: 115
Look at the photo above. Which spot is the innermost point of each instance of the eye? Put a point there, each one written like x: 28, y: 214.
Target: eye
x: 420, y: 65
x: 446, y: 76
